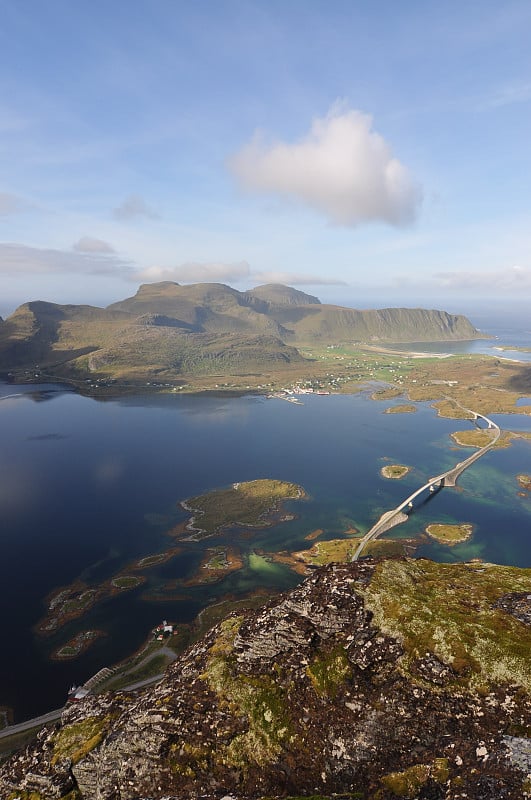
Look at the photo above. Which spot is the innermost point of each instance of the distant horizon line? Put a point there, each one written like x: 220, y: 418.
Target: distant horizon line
x: 367, y: 298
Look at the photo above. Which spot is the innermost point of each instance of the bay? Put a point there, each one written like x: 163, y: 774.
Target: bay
x: 88, y: 486
x: 506, y: 341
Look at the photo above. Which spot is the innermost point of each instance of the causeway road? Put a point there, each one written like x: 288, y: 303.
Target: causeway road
x: 397, y: 515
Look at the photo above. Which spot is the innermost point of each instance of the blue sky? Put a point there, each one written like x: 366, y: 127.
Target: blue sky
x: 369, y: 153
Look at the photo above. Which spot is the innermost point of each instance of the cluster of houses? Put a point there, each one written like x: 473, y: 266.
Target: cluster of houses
x: 162, y: 631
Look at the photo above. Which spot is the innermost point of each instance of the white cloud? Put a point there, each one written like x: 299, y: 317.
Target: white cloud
x: 87, y: 244
x: 10, y: 204
x: 504, y: 280
x: 132, y: 207
x: 341, y: 168
x: 295, y: 279
x: 20, y: 259
x: 194, y: 272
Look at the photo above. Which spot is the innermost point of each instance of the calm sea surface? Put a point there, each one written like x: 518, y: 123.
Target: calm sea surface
x: 505, y: 340
x: 88, y: 486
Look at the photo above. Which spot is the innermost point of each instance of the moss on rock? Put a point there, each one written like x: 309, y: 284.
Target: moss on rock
x: 328, y: 671
x: 75, y: 741
x: 448, y: 610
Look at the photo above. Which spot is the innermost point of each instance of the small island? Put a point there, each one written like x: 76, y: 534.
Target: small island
x: 450, y: 534
x: 313, y: 535
x: 76, y: 600
x: 475, y: 438
x: 215, y: 565
x: 249, y: 504
x: 407, y: 408
x: 121, y: 582
x: 76, y: 645
x: 155, y: 559
x: 524, y: 481
x: 394, y: 471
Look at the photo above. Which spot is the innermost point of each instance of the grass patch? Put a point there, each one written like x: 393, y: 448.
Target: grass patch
x: 390, y: 547
x: 387, y: 394
x: 448, y: 609
x: 211, y: 615
x: 394, y: 471
x: 407, y: 783
x: 155, y: 666
x: 258, y: 699
x: 450, y: 410
x: 333, y: 550
x: 328, y: 671
x: 472, y: 438
x: 76, y: 740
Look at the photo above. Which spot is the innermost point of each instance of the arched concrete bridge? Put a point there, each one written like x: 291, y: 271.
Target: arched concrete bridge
x: 397, y: 515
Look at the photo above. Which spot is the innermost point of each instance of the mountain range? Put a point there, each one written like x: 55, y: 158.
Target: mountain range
x: 199, y: 329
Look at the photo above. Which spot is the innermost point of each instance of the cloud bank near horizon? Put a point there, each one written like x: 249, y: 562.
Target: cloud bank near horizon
x: 94, y: 257
x: 215, y: 272
x: 295, y: 279
x: 195, y: 272
x: 21, y: 259
x: 510, y: 279
x: 88, y: 244
x: 341, y: 168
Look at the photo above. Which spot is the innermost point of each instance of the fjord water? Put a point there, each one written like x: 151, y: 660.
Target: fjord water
x: 87, y: 487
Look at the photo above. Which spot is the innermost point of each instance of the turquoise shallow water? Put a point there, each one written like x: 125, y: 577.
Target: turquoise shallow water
x: 88, y: 486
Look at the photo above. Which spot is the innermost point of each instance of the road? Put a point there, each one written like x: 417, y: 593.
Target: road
x: 53, y: 716
x: 36, y: 722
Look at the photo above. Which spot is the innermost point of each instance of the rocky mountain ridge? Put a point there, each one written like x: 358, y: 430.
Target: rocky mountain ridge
x: 380, y: 679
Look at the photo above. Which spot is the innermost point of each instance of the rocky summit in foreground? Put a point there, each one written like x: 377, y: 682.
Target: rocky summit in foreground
x: 378, y: 679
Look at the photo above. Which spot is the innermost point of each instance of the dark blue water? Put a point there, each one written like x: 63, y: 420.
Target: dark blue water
x: 88, y: 486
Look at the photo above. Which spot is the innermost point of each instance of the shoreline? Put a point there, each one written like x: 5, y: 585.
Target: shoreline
x: 219, y: 393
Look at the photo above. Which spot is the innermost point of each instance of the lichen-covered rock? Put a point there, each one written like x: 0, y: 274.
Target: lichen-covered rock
x: 365, y: 681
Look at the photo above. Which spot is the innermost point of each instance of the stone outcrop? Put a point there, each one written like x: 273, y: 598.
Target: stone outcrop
x: 311, y: 696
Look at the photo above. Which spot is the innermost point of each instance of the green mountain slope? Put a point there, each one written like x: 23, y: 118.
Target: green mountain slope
x: 201, y: 329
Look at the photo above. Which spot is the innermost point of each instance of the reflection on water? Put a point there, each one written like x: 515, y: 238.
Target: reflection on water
x: 88, y: 487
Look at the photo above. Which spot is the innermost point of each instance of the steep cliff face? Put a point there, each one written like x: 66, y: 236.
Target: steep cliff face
x: 366, y: 681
